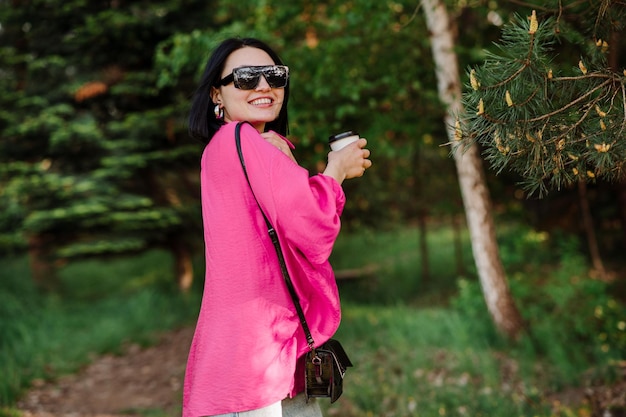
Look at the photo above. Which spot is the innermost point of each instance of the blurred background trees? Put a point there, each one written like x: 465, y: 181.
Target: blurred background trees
x: 96, y: 160
x: 95, y: 157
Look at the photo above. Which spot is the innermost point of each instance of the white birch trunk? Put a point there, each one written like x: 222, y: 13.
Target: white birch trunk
x: 472, y: 182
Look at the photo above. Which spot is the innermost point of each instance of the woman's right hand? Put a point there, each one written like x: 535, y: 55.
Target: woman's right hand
x: 349, y: 162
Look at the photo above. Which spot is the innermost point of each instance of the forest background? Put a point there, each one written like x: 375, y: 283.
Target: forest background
x: 96, y: 166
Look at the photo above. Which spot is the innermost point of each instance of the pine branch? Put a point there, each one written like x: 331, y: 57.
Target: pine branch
x: 554, y: 127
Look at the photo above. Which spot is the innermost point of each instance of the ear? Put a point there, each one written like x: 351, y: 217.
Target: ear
x: 216, y: 95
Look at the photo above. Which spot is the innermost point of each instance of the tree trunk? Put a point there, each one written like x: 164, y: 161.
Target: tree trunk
x: 41, y: 267
x: 166, y: 193
x: 183, y: 267
x: 423, y: 247
x: 474, y: 190
x: 592, y: 240
x: 620, y: 190
x: 458, y: 245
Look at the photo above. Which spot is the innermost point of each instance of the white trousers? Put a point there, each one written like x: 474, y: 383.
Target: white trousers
x: 289, y: 407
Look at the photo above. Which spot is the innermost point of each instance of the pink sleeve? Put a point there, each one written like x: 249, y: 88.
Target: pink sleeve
x: 305, y: 210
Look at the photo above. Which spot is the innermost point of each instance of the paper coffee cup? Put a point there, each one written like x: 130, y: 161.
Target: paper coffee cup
x: 341, y: 140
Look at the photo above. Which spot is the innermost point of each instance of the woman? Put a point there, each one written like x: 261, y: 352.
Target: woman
x: 247, y: 350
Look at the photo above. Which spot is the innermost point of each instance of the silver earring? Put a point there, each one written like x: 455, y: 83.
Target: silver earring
x: 219, y: 112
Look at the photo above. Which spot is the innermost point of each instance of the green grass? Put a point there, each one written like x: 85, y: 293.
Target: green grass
x: 99, y: 307
x: 421, y: 347
x: 425, y: 362
x: 396, y: 256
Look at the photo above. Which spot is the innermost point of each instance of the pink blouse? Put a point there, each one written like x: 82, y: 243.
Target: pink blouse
x: 248, y: 336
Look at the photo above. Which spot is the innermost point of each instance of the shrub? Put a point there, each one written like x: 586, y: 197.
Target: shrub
x: 572, y: 320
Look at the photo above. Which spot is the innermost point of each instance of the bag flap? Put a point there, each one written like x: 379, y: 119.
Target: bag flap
x: 341, y: 356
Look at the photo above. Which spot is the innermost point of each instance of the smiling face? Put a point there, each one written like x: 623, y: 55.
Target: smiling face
x: 257, y: 106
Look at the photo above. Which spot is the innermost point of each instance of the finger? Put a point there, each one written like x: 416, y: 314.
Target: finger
x: 270, y: 136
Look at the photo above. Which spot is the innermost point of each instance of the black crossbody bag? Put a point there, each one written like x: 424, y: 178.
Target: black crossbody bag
x: 325, y: 365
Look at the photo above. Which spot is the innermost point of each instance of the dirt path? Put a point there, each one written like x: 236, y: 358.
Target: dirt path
x: 139, y: 382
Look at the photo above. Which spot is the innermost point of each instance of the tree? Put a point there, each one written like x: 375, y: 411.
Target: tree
x: 97, y: 160
x: 551, y: 123
x: 475, y: 194
x: 94, y: 159
x: 354, y: 65
x: 555, y: 121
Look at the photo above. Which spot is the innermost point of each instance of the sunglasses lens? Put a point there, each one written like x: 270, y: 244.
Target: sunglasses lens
x: 276, y: 76
x: 247, y: 78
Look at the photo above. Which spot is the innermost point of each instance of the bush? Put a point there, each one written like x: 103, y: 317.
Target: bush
x: 572, y: 320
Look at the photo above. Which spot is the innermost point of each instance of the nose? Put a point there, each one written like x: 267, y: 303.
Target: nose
x: 263, y: 84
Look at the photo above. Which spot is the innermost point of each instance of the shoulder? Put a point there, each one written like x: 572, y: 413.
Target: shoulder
x: 228, y: 130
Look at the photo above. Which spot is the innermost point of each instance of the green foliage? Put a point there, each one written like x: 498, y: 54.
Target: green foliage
x: 96, y: 94
x: 470, y: 301
x: 353, y: 66
x: 523, y: 249
x: 562, y: 306
x: 553, y: 122
x: 177, y: 56
x: 388, y: 265
x: 7, y: 412
x: 572, y: 308
x: 93, y: 158
x: 89, y: 279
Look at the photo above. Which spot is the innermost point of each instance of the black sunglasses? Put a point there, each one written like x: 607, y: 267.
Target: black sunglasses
x: 248, y: 77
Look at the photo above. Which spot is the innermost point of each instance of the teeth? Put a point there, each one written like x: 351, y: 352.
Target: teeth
x: 261, y: 101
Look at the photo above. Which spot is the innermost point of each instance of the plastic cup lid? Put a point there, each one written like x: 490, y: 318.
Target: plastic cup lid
x: 342, y: 135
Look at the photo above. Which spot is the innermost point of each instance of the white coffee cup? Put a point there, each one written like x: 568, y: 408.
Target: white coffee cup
x: 341, y: 140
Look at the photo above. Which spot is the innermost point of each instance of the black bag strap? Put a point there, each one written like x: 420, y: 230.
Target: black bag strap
x: 274, y: 237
